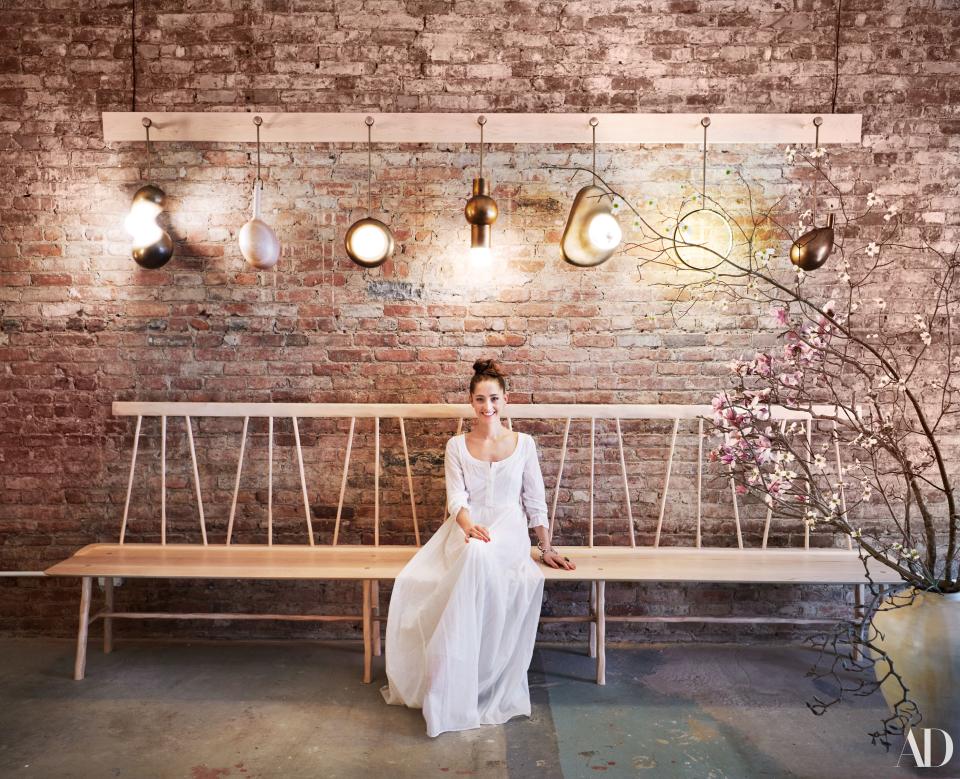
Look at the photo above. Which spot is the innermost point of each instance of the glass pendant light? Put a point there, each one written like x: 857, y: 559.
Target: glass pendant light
x: 151, y: 246
x: 813, y: 248
x: 592, y: 233
x: 481, y: 211
x: 702, y: 239
x: 369, y: 241
x: 259, y: 244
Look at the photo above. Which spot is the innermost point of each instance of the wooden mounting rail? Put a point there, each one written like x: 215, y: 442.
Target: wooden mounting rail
x: 539, y: 129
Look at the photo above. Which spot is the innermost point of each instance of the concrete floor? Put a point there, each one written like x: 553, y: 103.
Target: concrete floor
x: 295, y: 709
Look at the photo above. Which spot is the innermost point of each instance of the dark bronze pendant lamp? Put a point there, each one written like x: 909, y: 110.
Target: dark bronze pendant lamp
x: 811, y: 250
x: 592, y: 233
x: 369, y: 242
x: 702, y: 239
x: 259, y: 244
x: 151, y: 246
x: 481, y: 212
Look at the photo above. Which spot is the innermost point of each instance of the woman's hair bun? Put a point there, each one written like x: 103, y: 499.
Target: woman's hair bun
x: 486, y: 366
x: 487, y: 369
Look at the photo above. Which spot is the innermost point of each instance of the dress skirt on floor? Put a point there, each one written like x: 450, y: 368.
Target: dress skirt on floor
x: 463, y: 615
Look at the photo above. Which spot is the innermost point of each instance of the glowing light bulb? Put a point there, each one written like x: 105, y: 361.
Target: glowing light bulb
x: 604, y: 232
x: 141, y: 223
x: 480, y: 256
x: 369, y: 242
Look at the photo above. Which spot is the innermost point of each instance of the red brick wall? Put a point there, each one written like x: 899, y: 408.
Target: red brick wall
x: 81, y: 326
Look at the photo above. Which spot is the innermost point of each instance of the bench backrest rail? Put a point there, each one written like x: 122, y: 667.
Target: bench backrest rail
x: 377, y: 411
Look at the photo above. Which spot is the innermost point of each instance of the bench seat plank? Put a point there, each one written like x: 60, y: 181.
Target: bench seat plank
x: 353, y: 562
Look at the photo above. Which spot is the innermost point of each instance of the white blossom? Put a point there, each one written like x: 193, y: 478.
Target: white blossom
x: 873, y: 199
x: 872, y: 249
x: 892, y: 211
x: 790, y: 154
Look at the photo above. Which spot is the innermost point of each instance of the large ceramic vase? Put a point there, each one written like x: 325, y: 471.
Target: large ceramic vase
x: 923, y: 641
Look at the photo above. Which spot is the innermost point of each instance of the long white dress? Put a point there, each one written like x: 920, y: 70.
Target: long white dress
x: 463, y: 615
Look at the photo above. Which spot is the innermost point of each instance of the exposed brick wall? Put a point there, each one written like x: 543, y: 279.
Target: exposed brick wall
x: 82, y: 326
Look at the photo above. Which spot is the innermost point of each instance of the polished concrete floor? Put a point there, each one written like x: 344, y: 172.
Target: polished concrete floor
x: 295, y: 709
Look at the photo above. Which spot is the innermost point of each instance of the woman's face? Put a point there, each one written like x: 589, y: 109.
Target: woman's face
x: 488, y: 399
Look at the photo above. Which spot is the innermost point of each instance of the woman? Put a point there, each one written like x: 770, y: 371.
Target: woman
x: 464, y: 611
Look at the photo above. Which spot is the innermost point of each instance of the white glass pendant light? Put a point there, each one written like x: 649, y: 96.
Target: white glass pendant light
x: 151, y: 247
x: 369, y: 242
x: 592, y: 233
x: 481, y: 212
x: 259, y: 244
x: 702, y: 239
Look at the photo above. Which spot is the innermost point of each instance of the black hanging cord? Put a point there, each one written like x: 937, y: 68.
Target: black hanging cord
x: 703, y: 189
x: 258, y: 121
x: 817, y: 121
x: 593, y: 126
x: 836, y: 64
x: 133, y: 53
x: 481, y: 121
x: 369, y: 123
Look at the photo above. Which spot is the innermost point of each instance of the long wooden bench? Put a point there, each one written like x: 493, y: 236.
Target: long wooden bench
x: 370, y: 564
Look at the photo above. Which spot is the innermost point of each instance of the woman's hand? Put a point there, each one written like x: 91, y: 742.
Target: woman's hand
x: 477, y: 531
x: 556, y: 560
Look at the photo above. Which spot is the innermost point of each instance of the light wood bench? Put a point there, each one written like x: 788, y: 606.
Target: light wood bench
x: 370, y: 564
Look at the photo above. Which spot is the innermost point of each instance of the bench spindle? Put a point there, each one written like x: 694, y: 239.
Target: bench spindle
x: 843, y: 495
x: 556, y: 489
x: 133, y: 465
x: 666, y: 481
x: 303, y: 480
x: 270, y: 481
x: 413, y: 502
x: 593, y: 430
x: 196, y: 479
x: 376, y: 481
x: 766, y: 524
x: 700, y: 482
x: 343, y: 480
x: 163, y: 479
x: 236, y: 484
x: 626, y: 485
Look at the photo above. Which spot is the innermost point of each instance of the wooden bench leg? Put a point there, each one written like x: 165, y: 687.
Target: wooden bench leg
x: 79, y: 666
x: 367, y: 648
x: 601, y: 624
x: 593, y: 622
x: 858, y: 605
x: 375, y: 609
x: 107, y: 621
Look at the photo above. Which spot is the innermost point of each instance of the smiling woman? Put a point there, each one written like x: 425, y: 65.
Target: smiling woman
x: 464, y: 611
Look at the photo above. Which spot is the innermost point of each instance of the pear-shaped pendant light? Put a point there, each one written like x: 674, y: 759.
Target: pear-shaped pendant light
x: 702, y: 239
x: 259, y: 244
x: 481, y: 212
x: 369, y: 241
x: 151, y: 246
x: 592, y: 233
x: 811, y: 250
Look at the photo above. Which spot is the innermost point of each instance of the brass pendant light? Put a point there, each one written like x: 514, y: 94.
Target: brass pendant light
x: 259, y: 244
x: 481, y: 211
x: 151, y: 246
x: 811, y: 250
x: 702, y: 239
x: 369, y: 242
x: 592, y: 233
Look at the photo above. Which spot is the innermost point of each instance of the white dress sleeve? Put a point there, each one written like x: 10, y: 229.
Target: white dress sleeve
x: 457, y: 496
x: 533, y: 494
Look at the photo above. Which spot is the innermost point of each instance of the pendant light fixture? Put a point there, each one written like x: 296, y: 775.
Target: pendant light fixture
x: 812, y: 249
x: 481, y: 211
x: 592, y: 233
x: 369, y: 241
x: 702, y: 239
x: 259, y: 244
x: 151, y: 246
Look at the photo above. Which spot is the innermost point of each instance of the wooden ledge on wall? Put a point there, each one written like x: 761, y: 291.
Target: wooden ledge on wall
x: 549, y: 128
